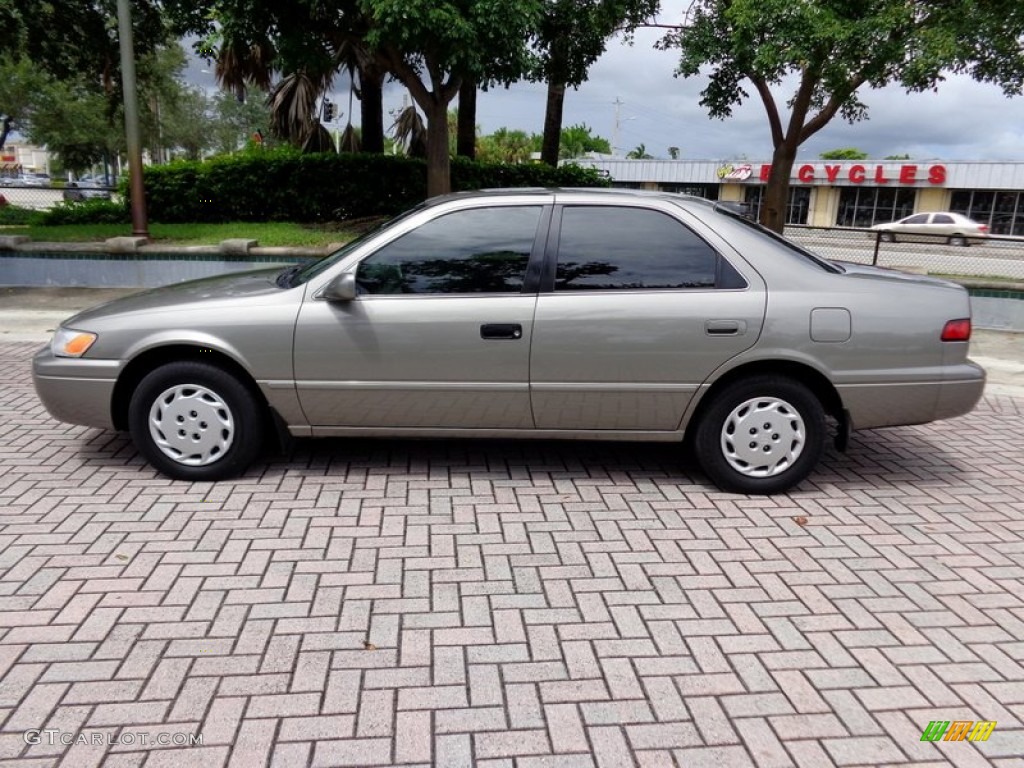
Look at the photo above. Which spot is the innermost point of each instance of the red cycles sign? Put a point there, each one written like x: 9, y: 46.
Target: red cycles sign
x: 906, y: 174
x: 858, y: 174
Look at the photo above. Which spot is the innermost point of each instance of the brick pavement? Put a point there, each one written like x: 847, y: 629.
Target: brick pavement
x: 509, y: 604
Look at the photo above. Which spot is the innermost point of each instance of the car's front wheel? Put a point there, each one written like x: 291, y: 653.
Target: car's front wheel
x: 887, y: 237
x: 195, y: 421
x: 761, y: 435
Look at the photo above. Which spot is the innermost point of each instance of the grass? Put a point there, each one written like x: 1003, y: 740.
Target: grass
x: 266, y: 233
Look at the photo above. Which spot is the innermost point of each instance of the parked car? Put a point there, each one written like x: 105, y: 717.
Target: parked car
x: 85, y: 189
x: 32, y: 180
x: 955, y: 227
x: 581, y: 314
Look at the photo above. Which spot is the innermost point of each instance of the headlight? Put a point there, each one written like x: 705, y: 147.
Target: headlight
x: 71, y: 343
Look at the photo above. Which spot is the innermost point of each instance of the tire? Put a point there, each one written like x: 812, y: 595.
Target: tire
x: 887, y: 237
x: 198, y: 398
x: 958, y: 240
x: 795, y: 439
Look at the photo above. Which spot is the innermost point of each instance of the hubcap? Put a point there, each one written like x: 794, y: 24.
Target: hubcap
x: 191, y: 425
x: 763, y: 437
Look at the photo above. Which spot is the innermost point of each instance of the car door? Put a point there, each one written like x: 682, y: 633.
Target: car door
x: 438, y: 335
x: 916, y: 224
x: 638, y: 312
x: 943, y: 224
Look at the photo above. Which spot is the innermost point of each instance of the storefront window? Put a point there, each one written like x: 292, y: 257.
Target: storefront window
x: 865, y: 207
x: 707, y: 191
x: 1003, y: 212
x: 797, y: 210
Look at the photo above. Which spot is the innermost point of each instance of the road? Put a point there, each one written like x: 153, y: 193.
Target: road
x: 995, y: 258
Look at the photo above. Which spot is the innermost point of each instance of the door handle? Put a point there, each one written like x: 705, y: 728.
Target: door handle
x: 725, y: 327
x: 501, y: 331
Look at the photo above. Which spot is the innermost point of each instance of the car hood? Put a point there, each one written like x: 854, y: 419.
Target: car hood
x: 207, y: 290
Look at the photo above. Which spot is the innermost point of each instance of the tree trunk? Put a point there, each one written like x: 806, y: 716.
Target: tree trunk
x: 553, y: 124
x: 438, y: 162
x: 776, y: 194
x: 466, y: 139
x: 371, y: 110
x: 5, y: 130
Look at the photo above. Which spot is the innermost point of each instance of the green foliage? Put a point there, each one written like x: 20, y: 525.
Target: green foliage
x: 904, y: 156
x: 13, y: 215
x: 579, y: 140
x: 285, y: 185
x: 573, y: 34
x: 86, y: 212
x: 846, y: 153
x: 639, y: 153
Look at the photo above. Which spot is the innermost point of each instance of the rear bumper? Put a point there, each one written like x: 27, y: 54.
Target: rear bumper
x: 76, y: 390
x: 895, y: 404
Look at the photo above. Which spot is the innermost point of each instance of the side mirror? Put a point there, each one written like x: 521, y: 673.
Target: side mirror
x: 341, y: 288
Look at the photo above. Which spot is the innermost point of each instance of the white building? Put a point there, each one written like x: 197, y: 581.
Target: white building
x: 829, y: 193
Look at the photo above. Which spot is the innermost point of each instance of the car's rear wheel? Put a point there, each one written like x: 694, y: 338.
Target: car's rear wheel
x: 761, y: 435
x: 959, y: 241
x: 195, y: 421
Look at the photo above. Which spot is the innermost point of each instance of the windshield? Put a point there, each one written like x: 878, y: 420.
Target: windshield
x: 303, y: 273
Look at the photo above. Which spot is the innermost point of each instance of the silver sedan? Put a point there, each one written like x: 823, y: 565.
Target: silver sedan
x: 955, y: 227
x: 581, y: 314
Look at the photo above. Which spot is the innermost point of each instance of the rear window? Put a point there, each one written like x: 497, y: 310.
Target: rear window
x: 814, y: 259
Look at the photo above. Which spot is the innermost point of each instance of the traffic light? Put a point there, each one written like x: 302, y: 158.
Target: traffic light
x: 328, y: 111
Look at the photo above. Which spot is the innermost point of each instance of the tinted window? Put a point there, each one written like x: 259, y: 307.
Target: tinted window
x: 606, y: 248
x: 941, y: 218
x: 482, y: 250
x: 921, y: 218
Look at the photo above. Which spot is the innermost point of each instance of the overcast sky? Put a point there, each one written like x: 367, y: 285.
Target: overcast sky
x: 962, y: 120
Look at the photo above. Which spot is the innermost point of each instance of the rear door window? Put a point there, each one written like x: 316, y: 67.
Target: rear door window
x: 608, y: 248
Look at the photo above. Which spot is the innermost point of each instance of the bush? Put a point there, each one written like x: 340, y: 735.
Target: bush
x: 13, y: 215
x: 285, y: 185
x: 87, y: 212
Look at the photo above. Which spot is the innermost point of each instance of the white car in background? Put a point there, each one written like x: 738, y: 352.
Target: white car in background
x: 955, y: 227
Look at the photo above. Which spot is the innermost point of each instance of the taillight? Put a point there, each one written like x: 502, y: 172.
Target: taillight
x: 957, y: 330
x: 983, y: 228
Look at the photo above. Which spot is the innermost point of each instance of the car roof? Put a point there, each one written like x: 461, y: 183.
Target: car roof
x: 597, y: 193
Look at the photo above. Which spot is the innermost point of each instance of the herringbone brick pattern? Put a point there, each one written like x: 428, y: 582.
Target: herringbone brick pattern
x: 509, y: 604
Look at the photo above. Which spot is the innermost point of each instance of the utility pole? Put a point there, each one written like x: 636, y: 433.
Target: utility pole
x: 140, y: 225
x: 615, y: 133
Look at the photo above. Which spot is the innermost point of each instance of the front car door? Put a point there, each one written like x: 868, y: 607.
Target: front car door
x: 638, y: 313
x: 438, y: 336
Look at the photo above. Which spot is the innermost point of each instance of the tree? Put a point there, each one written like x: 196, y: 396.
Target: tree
x: 830, y: 49
x: 673, y: 152
x: 20, y: 84
x: 506, y: 146
x: 236, y: 121
x: 639, y: 153
x: 579, y: 140
x: 571, y: 36
x: 431, y: 45
x: 70, y: 118
x: 847, y: 153
x: 70, y: 42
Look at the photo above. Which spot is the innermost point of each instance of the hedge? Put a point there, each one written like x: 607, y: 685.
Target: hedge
x: 284, y: 185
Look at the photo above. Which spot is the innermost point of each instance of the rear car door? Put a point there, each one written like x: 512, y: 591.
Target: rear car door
x: 636, y: 311
x: 439, y: 333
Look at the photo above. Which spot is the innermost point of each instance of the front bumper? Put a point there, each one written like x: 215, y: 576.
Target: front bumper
x: 76, y: 390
